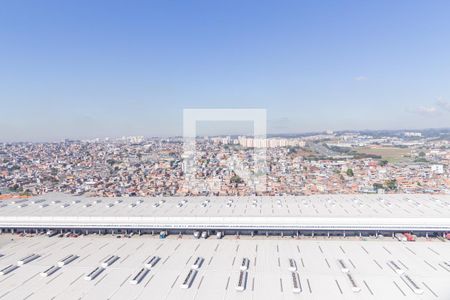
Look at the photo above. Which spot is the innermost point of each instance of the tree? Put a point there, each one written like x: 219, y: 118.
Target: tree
x: 110, y: 162
x: 15, y: 168
x: 391, y: 184
x: 383, y: 162
x: 377, y: 186
x: 350, y: 172
x: 420, y: 160
x: 54, y: 171
x: 14, y: 188
x: 236, y: 179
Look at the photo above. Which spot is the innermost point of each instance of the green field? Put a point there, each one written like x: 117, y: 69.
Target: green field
x: 391, y: 154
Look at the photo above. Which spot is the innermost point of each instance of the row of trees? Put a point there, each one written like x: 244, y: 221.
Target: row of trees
x: 389, y: 185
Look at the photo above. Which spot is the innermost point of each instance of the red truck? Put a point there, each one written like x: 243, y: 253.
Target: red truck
x: 409, y: 237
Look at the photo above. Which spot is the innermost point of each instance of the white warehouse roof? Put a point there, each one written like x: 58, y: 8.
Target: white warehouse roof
x: 268, y: 276
x: 322, y: 212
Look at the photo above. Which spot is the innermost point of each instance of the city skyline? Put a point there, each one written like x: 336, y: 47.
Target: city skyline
x: 241, y: 131
x: 106, y: 69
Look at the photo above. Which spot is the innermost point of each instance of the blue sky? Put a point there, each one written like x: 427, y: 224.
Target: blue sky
x: 83, y: 69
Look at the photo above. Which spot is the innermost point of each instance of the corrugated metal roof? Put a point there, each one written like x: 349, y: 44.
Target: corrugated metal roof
x: 269, y: 273
x: 425, y: 212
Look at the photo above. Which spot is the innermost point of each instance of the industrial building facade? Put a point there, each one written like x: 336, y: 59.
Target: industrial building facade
x: 290, y: 215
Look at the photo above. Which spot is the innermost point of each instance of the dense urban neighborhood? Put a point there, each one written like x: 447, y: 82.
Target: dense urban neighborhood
x: 325, y: 163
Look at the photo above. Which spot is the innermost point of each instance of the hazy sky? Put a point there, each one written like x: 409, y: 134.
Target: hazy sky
x: 110, y: 68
